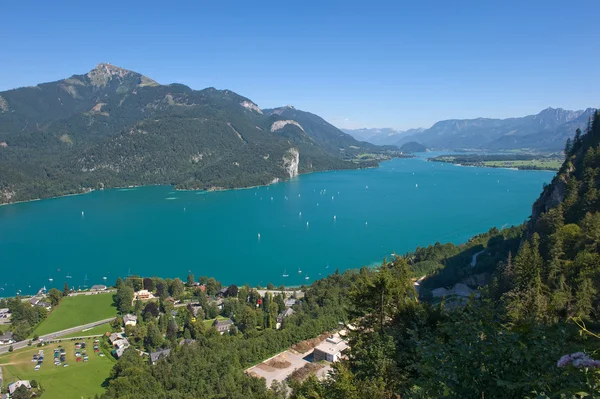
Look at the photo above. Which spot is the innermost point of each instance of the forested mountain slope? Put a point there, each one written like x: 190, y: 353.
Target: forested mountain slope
x: 113, y: 127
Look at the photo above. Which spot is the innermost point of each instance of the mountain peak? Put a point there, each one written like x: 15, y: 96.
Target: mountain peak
x: 104, y: 72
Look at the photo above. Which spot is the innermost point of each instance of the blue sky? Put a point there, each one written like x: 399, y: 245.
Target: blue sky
x: 398, y: 64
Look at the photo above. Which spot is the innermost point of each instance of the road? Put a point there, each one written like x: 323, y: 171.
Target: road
x: 54, y: 335
x: 474, y: 259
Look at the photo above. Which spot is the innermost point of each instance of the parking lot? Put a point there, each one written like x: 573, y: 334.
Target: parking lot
x: 270, y: 373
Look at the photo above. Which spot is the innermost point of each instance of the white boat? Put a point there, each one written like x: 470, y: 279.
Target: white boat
x: 299, y: 271
x: 285, y: 273
x: 306, y: 278
x: 334, y: 217
x: 259, y: 235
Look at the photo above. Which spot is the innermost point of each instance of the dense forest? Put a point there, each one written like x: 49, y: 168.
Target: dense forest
x: 112, y: 127
x: 210, y: 365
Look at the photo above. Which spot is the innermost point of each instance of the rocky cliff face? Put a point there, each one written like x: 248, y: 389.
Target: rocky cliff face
x: 291, y: 161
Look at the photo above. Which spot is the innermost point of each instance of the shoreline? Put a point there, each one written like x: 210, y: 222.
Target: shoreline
x: 215, y: 189
x: 494, y: 167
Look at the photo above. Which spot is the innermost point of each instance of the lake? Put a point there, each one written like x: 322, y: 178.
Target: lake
x: 314, y: 224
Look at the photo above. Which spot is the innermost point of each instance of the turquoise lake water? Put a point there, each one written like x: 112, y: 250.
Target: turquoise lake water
x: 354, y: 218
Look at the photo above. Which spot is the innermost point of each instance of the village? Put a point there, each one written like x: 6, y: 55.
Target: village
x: 100, y: 346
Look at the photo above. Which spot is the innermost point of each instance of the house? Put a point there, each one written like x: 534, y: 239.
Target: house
x: 201, y: 287
x: 130, y: 320
x: 331, y: 349
x: 98, y: 287
x: 33, y: 301
x: 223, y: 326
x: 218, y: 303
x: 44, y: 304
x: 222, y: 292
x: 115, y: 337
x: 195, y: 308
x: 119, y: 352
x: 160, y: 354
x: 120, y: 345
x: 290, y: 302
x: 283, y: 315
x: 6, y: 338
x: 13, y: 387
x: 143, y: 295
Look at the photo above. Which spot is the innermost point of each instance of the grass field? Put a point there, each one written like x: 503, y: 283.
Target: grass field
x: 208, y: 323
x: 79, y: 380
x: 77, y: 310
x: 92, y: 331
x: 550, y: 164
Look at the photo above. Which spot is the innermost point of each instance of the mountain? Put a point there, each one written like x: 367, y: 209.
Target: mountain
x: 329, y: 136
x: 383, y: 136
x: 412, y: 146
x: 545, y: 131
x: 113, y: 127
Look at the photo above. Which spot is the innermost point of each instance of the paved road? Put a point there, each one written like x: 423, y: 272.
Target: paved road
x: 55, y: 335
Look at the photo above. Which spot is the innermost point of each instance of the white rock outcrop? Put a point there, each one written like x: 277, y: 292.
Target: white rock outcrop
x: 251, y: 106
x: 458, y: 289
x: 277, y: 125
x: 291, y: 161
x: 3, y: 105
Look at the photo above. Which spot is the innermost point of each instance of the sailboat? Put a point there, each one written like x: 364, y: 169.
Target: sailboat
x: 69, y: 275
x: 50, y: 279
x: 299, y: 271
x: 285, y: 273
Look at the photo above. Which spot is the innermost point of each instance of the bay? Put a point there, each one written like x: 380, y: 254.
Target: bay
x: 313, y: 224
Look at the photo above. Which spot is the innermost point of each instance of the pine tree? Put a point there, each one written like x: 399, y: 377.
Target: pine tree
x: 522, y: 267
x: 576, y: 140
x: 568, y: 147
x: 584, y: 297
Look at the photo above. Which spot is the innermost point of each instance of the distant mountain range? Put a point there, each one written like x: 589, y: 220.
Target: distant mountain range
x: 114, y: 127
x: 545, y: 131
x: 383, y: 136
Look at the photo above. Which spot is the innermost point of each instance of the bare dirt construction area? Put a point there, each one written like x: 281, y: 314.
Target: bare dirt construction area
x: 307, y: 370
x: 309, y: 344
x: 278, y: 368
